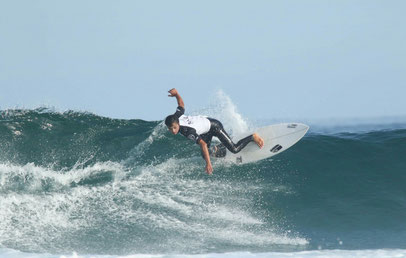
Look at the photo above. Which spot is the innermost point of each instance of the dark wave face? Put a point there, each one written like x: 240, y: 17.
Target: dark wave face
x: 79, y: 182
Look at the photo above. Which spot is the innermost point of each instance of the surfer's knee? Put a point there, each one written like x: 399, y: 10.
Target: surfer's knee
x: 228, y: 143
x: 234, y: 149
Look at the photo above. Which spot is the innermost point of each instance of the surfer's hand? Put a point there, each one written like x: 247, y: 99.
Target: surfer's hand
x: 173, y: 92
x: 209, y: 169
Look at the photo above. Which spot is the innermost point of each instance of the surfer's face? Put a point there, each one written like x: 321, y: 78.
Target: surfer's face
x: 174, y: 128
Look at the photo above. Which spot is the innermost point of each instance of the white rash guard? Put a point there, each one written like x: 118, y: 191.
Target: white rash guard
x: 192, y: 126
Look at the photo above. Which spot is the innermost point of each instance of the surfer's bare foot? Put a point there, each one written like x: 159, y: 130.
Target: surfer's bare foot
x: 258, y: 140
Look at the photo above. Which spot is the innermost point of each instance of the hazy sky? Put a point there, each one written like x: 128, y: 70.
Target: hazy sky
x: 310, y: 59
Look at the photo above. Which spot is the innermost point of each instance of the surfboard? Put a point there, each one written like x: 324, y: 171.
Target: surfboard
x: 277, y: 138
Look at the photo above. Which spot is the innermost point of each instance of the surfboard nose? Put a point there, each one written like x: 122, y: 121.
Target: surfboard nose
x: 297, y: 126
x: 302, y: 127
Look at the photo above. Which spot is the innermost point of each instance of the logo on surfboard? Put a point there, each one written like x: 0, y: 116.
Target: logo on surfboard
x: 276, y: 148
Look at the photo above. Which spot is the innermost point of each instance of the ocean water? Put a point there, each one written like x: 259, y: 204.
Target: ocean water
x: 75, y: 184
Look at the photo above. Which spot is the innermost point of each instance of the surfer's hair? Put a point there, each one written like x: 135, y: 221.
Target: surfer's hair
x: 171, y: 119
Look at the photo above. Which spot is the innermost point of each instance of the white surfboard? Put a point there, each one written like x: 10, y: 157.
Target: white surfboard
x: 277, y: 138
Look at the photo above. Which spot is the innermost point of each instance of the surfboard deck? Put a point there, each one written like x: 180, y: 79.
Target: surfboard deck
x: 277, y: 138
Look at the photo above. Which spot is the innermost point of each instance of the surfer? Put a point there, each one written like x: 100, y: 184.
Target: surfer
x: 201, y: 130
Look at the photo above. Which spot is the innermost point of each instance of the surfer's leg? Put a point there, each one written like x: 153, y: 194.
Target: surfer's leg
x: 225, y: 139
x: 217, y: 130
x: 234, y: 148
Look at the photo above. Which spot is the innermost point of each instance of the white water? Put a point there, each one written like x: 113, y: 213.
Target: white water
x: 379, y: 253
x: 38, y: 213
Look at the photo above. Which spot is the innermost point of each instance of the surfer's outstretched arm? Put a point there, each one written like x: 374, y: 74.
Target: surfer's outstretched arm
x: 174, y: 93
x: 206, y: 156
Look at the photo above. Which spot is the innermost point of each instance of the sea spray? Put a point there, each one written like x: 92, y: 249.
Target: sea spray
x: 223, y: 109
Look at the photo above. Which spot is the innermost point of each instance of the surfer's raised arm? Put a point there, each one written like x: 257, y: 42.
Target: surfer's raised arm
x: 174, y: 93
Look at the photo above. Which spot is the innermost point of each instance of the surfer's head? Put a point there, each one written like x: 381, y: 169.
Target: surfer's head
x: 172, y: 122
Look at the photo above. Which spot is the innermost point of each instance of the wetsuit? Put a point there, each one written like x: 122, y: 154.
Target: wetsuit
x: 201, y: 127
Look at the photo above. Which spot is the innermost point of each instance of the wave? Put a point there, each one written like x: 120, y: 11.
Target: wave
x: 79, y: 182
